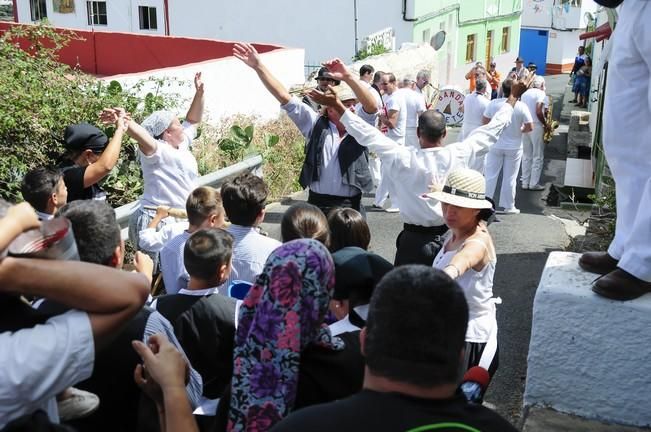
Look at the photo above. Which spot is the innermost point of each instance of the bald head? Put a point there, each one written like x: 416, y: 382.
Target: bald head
x: 431, y: 128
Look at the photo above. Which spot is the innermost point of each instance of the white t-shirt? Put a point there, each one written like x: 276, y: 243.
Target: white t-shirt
x: 511, y: 137
x: 531, y: 98
x: 170, y: 174
x: 396, y: 102
x: 474, y: 106
x: 415, y: 103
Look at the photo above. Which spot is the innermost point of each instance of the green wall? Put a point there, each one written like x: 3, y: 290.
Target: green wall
x: 470, y: 17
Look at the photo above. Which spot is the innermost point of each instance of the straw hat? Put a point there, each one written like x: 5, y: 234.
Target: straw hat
x: 344, y: 92
x: 463, y: 188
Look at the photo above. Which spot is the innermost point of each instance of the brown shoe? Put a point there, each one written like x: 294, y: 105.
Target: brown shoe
x: 598, y: 262
x: 621, y: 285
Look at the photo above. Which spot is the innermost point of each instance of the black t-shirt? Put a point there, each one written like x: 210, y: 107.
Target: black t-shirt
x: 393, y: 412
x: 73, y: 177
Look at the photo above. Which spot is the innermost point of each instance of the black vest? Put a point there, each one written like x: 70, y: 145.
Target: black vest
x: 353, y: 159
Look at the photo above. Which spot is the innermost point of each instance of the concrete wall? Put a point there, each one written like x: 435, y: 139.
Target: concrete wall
x: 324, y: 29
x: 231, y: 87
x: 561, y: 50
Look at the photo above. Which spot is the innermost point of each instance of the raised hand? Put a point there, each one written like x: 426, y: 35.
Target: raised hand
x: 247, y: 53
x: 327, y: 98
x: 24, y: 216
x: 198, y: 83
x: 163, y: 363
x: 144, y: 265
x: 520, y: 86
x: 337, y: 69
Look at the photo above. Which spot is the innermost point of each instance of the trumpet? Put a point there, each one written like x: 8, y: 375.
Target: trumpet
x: 550, y: 124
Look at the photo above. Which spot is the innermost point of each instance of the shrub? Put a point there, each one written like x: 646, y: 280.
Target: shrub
x: 376, y: 48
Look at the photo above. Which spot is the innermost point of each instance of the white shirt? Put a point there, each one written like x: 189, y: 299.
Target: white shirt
x: 415, y: 103
x: 250, y: 252
x: 478, y: 289
x: 170, y: 174
x: 40, y: 362
x: 474, y: 106
x: 330, y: 178
x: 44, y: 216
x: 531, y: 98
x: 175, y: 276
x: 412, y: 170
x: 153, y: 241
x: 396, y: 102
x: 511, y: 138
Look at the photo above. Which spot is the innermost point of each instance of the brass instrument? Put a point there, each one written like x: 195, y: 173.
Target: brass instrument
x: 550, y: 123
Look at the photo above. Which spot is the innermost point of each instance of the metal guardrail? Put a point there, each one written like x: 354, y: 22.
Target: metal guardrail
x: 214, y: 179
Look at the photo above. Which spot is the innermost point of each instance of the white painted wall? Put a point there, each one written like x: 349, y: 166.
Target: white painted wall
x: 551, y: 14
x: 537, y: 13
x: 562, y: 46
x: 231, y: 87
x: 122, y: 16
x: 325, y: 29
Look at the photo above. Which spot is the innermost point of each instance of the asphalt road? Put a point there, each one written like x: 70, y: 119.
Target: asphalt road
x: 522, y: 241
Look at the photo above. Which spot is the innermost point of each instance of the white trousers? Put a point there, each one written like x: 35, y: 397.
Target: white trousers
x: 627, y: 137
x: 533, y: 153
x: 382, y: 191
x: 507, y: 161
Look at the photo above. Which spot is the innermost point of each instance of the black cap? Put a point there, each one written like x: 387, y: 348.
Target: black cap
x: 357, y: 270
x: 84, y: 136
x: 323, y: 73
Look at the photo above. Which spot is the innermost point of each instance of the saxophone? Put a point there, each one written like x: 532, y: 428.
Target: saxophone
x: 550, y: 123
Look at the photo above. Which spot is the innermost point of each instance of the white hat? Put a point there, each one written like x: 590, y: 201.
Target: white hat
x: 344, y: 92
x: 158, y: 121
x: 463, y: 188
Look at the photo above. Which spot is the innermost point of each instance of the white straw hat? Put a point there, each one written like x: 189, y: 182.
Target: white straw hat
x: 344, y: 92
x: 157, y: 122
x: 463, y: 188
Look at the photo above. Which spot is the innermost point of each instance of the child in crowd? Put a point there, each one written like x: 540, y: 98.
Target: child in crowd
x: 304, y: 220
x: 205, y: 210
x: 45, y: 190
x: 204, y: 320
x: 348, y: 228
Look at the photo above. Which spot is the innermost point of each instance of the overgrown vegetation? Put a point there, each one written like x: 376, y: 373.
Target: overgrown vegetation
x: 40, y: 97
x: 376, y: 48
x: 278, y: 141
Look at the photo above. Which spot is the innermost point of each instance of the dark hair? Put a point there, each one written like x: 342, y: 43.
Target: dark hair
x: 203, y: 202
x: 481, y: 85
x: 422, y: 347
x: 377, y: 77
x: 244, y: 198
x: 304, y: 220
x: 38, y: 186
x: 206, y: 251
x: 348, y: 228
x: 506, y: 87
x: 392, y: 77
x: 366, y: 69
x: 431, y: 125
x: 95, y: 227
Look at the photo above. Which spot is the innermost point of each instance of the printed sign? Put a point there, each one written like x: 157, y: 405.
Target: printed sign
x: 449, y: 103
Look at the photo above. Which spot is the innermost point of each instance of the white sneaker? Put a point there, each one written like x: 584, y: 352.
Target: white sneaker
x: 511, y: 210
x: 392, y: 210
x: 536, y: 187
x: 525, y: 187
x: 80, y: 404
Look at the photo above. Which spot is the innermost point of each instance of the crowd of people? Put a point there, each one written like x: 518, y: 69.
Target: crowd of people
x: 221, y: 327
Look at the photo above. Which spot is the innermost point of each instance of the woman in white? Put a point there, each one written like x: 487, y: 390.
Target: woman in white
x: 468, y: 256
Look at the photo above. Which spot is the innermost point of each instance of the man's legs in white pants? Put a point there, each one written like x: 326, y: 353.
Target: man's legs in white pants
x: 527, y: 158
x: 538, y: 147
x: 509, y: 177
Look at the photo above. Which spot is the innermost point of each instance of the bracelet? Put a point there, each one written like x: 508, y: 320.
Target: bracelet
x: 455, y: 268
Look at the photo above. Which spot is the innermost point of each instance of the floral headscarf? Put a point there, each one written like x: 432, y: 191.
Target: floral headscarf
x: 281, y: 315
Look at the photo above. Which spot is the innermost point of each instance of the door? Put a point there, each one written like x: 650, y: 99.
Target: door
x: 533, y: 48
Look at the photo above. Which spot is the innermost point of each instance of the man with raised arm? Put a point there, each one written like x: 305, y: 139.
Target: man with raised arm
x: 335, y: 168
x: 412, y: 171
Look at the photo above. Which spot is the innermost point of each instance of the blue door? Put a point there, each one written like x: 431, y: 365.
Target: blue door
x: 533, y: 48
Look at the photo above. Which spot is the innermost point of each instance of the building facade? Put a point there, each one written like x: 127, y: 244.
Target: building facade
x: 475, y: 30
x: 550, y: 32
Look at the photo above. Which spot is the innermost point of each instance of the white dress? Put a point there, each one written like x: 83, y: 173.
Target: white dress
x: 478, y: 289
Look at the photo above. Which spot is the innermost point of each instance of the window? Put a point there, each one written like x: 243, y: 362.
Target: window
x: 489, y: 47
x: 506, y: 39
x: 96, y: 13
x: 38, y: 9
x: 147, y: 18
x: 426, y: 36
x: 470, y: 48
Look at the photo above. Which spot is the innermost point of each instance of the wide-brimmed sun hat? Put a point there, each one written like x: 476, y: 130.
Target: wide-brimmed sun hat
x: 463, y: 188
